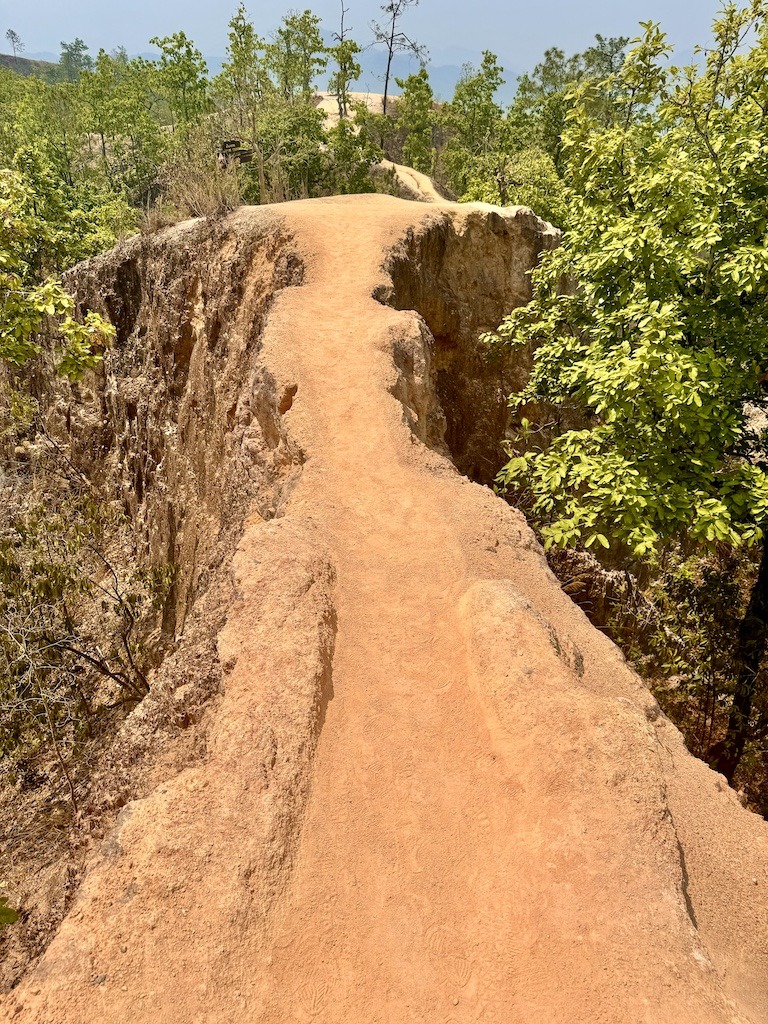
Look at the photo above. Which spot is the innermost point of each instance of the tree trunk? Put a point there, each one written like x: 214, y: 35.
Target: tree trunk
x: 390, y: 55
x: 386, y: 83
x: 751, y: 649
x: 263, y: 197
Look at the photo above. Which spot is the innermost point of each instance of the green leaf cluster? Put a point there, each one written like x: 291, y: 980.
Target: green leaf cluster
x: 30, y: 304
x: 650, y: 322
x: 7, y: 914
x: 525, y: 178
x: 416, y: 119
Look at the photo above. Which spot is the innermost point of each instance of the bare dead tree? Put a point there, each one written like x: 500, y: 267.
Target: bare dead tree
x: 341, y: 35
x: 391, y: 35
x: 344, y: 52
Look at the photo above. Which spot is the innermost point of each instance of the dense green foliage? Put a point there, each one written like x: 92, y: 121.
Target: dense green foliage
x: 692, y: 651
x: 474, y: 122
x: 119, y: 136
x: 528, y: 177
x: 33, y: 226
x: 416, y: 120
x: 664, y: 340
x: 503, y: 157
x: 640, y: 425
x: 545, y: 97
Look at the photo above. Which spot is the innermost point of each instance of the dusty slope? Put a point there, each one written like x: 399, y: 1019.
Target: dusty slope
x: 327, y: 102
x: 407, y: 183
x: 433, y: 791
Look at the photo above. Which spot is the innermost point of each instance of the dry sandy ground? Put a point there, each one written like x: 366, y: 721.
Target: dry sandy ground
x: 328, y: 102
x: 434, y: 793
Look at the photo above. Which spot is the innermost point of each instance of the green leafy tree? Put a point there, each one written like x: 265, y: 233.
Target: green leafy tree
x: 99, y: 88
x: 137, y: 143
x: 66, y: 224
x: 74, y: 60
x: 48, y: 118
x: 473, y: 121
x: 379, y: 126
x: 526, y: 178
x: 244, y: 79
x: 294, y: 164
x: 660, y: 344
x: 352, y: 152
x: 540, y: 106
x: 101, y: 135
x: 183, y: 78
x: 29, y: 299
x: 416, y: 121
x: 13, y: 90
x: 344, y: 54
x: 297, y: 55
x: 699, y: 601
x: 348, y: 69
x: 543, y: 98
x: 67, y: 619
x: 15, y: 42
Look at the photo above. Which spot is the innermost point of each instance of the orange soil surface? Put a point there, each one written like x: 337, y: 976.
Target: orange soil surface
x: 434, y: 793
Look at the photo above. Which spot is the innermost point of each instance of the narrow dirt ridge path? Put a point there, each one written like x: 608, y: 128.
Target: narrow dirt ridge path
x: 462, y: 859
x: 435, y: 793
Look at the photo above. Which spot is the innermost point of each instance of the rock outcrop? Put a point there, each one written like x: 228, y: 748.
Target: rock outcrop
x: 431, y: 791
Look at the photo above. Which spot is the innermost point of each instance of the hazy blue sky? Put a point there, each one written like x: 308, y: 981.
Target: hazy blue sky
x: 454, y: 30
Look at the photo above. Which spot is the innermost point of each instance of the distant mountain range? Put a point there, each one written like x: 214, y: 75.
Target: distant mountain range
x: 444, y: 70
x: 443, y: 76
